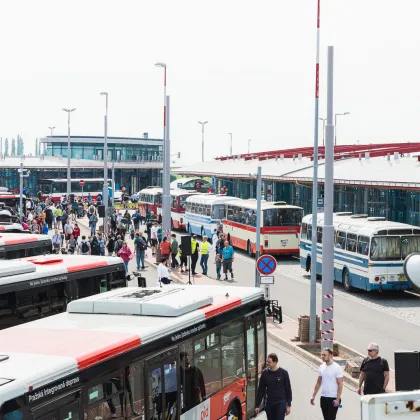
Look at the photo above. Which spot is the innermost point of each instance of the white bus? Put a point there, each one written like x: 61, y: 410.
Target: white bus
x: 204, y: 211
x: 39, y: 286
x: 369, y: 252
x: 19, y: 245
x: 181, y: 352
x: 56, y: 188
x: 280, y: 226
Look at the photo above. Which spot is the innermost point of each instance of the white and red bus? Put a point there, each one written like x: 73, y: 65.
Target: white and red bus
x: 181, y: 352
x: 39, y: 286
x: 280, y: 226
x: 152, y: 197
x: 19, y: 245
x: 56, y: 188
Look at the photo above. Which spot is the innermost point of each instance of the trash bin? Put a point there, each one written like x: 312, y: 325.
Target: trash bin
x: 141, y: 281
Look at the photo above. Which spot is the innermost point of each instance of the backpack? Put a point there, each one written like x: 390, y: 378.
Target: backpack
x: 141, y: 246
x: 96, y: 248
x: 94, y: 219
x: 85, y: 247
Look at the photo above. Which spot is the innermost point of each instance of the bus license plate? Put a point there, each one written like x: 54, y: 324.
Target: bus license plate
x: 401, y: 277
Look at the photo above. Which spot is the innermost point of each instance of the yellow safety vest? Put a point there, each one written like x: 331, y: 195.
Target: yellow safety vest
x: 205, y: 248
x: 193, y: 246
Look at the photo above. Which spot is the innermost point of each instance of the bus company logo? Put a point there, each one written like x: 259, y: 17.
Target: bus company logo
x: 226, y: 397
x: 205, y: 412
x: 51, y: 390
x: 48, y: 280
x: 188, y: 332
x: 284, y: 242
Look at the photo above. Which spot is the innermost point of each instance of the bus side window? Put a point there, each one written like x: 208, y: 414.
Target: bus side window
x: 134, y: 378
x: 363, y: 245
x: 351, y: 242
x: 233, y: 363
x: 319, y: 235
x: 340, y: 241
x: 7, y: 310
x: 304, y: 231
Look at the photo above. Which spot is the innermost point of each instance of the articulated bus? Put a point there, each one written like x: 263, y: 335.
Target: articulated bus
x: 369, y: 252
x: 152, y: 197
x: 19, y: 245
x: 280, y: 226
x: 178, y: 352
x: 56, y: 188
x: 36, y: 287
x: 203, y: 211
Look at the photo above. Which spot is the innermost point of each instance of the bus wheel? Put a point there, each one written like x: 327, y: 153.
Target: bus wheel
x: 234, y: 411
x: 346, y: 281
x: 250, y: 253
x: 308, y: 264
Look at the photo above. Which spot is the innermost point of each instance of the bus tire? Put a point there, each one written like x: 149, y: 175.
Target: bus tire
x: 346, y: 280
x: 249, y: 249
x: 308, y: 264
x: 234, y: 411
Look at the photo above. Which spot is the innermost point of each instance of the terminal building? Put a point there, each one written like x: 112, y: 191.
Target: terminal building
x: 137, y: 162
x: 376, y: 179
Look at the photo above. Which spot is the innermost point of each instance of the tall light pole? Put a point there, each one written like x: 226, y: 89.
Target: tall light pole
x: 335, y: 124
x: 249, y: 143
x: 323, y: 130
x: 105, y: 193
x: 69, y: 111
x: 230, y: 143
x: 202, y: 138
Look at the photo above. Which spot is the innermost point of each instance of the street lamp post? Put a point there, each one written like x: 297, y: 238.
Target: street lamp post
x: 230, y: 143
x: 202, y: 138
x: 323, y: 130
x: 335, y: 125
x: 105, y: 192
x: 69, y: 111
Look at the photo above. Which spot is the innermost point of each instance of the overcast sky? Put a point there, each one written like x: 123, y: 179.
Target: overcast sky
x: 245, y: 66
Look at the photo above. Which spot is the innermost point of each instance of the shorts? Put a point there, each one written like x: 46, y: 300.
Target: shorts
x: 68, y: 236
x: 153, y: 242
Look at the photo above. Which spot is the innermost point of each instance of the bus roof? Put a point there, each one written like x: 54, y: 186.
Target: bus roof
x: 210, y: 199
x: 9, y: 238
x: 178, y: 191
x: 58, y: 180
x: 360, y: 223
x: 39, y: 352
x: 251, y: 203
x: 151, y: 190
x: 12, y: 227
x: 32, y: 268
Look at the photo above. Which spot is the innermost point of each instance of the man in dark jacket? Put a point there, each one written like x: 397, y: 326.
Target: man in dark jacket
x: 275, y: 387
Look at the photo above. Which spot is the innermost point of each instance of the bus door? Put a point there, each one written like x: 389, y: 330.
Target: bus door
x: 162, y: 385
x: 66, y: 407
x: 255, y: 357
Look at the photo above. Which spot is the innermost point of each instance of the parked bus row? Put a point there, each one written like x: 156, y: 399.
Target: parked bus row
x: 174, y: 353
x: 369, y: 252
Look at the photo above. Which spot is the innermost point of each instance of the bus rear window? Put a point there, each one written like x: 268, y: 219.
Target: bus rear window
x: 385, y: 248
x: 282, y: 217
x: 409, y: 245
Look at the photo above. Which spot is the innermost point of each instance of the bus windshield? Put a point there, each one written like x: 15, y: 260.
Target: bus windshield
x: 282, y: 217
x: 385, y: 248
x: 218, y: 212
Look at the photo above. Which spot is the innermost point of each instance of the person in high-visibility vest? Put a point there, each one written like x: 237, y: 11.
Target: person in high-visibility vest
x: 194, y: 254
x: 205, y: 250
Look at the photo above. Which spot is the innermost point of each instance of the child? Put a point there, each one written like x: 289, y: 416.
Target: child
x: 45, y: 229
x: 218, y: 265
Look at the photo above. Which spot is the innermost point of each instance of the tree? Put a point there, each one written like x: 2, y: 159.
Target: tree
x: 6, y: 147
x: 13, y: 151
x: 20, y: 146
x: 36, y: 147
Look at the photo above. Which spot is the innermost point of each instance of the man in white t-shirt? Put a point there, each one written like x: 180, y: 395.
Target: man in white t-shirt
x: 154, y: 238
x: 330, y: 380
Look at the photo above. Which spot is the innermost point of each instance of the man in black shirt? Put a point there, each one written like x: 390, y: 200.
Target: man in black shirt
x: 275, y: 387
x: 374, y: 372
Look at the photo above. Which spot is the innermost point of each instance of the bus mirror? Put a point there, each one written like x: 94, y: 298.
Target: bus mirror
x: 412, y: 269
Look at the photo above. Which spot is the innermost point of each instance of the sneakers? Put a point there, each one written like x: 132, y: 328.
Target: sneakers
x: 182, y: 271
x: 226, y: 278
x: 218, y: 278
x: 231, y: 276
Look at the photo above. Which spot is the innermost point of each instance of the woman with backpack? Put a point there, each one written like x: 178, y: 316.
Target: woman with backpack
x: 125, y: 254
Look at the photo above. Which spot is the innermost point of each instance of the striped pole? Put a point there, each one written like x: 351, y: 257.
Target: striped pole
x: 312, y: 308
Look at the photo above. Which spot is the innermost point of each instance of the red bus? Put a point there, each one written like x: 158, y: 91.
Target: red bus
x: 146, y: 353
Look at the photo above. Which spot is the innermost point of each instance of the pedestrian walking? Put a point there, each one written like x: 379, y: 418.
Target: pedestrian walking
x: 110, y: 245
x: 165, y: 248
x: 195, y: 248
x: 68, y: 230
x: 183, y: 260
x: 153, y: 238
x: 276, y: 388
x: 140, y: 248
x: 136, y: 220
x: 205, y: 249
x: 93, y: 219
x: 174, y: 251
x: 330, y: 380
x: 118, y: 244
x: 228, y: 254
x: 76, y: 232
x: 220, y: 244
x: 84, y: 246
x: 72, y: 245
x: 95, y: 247
x: 374, y: 372
x: 149, y: 226
x: 125, y: 254
x: 56, y: 242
